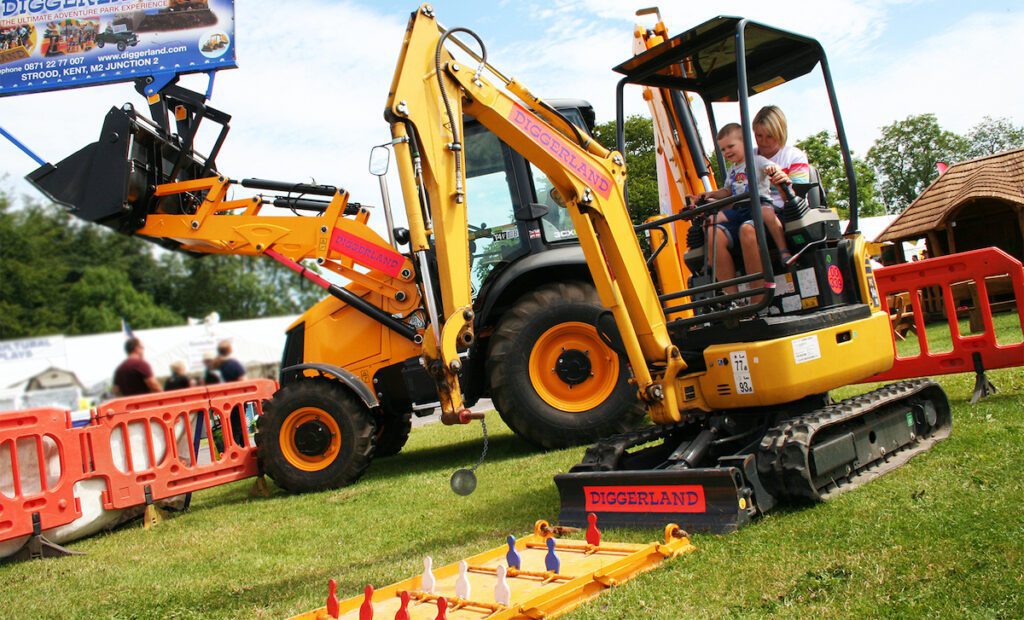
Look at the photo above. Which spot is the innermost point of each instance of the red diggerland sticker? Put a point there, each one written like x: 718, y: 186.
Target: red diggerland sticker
x: 835, y: 279
x: 554, y: 143
x: 645, y: 498
x: 367, y: 253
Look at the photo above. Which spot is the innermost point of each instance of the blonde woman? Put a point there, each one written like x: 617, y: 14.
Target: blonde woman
x: 770, y: 133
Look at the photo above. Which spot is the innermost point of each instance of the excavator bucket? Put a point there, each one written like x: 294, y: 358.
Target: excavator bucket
x: 111, y: 181
x: 717, y: 500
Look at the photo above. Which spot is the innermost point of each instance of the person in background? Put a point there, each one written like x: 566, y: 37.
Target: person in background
x: 211, y: 375
x: 134, y: 375
x: 179, y: 379
x: 230, y: 368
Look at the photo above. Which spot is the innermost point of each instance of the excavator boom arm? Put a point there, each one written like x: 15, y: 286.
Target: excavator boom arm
x: 430, y: 92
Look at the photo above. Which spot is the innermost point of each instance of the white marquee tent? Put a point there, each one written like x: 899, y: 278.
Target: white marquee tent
x: 92, y: 359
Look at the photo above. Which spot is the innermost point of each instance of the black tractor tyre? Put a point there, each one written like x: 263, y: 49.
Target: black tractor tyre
x: 392, y: 432
x: 315, y: 435
x: 121, y: 46
x: 524, y: 330
x: 100, y: 44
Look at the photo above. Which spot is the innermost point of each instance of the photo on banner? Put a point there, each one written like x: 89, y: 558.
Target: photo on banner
x: 58, y: 44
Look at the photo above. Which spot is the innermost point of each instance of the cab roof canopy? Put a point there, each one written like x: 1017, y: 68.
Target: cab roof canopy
x: 703, y: 59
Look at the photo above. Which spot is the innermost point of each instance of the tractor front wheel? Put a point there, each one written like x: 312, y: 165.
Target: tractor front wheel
x: 315, y: 435
x: 552, y: 378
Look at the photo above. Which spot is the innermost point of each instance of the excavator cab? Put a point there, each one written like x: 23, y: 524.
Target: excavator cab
x: 728, y: 59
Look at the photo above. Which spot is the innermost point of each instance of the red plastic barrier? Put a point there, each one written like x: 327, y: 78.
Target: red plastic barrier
x: 180, y: 469
x: 942, y: 273
x: 54, y: 502
x: 89, y: 452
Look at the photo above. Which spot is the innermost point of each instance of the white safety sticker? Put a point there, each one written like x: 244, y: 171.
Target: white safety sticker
x: 791, y: 303
x: 784, y: 284
x: 806, y: 349
x: 808, y: 282
x: 741, y: 372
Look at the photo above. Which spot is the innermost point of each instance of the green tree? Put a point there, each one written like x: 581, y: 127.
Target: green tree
x: 994, y: 135
x: 61, y: 275
x: 824, y: 153
x: 236, y: 287
x: 103, y: 295
x: 904, y: 158
x: 641, y: 166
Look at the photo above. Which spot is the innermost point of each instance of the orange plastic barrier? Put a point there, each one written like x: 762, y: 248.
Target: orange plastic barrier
x: 52, y: 504
x: 970, y: 352
x: 158, y: 469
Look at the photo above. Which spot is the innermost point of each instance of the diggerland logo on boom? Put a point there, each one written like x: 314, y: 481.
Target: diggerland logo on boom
x: 646, y: 498
x: 367, y: 253
x: 554, y: 143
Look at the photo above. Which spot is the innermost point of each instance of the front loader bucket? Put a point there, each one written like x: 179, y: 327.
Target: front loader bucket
x: 715, y: 500
x: 111, y: 181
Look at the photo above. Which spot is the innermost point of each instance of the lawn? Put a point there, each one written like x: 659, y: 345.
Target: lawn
x: 941, y: 537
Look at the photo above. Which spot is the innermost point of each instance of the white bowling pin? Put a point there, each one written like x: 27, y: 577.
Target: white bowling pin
x: 462, y: 582
x: 427, y: 581
x: 502, y: 593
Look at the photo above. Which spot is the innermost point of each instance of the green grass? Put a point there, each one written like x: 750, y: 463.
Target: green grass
x: 940, y: 340
x: 940, y: 537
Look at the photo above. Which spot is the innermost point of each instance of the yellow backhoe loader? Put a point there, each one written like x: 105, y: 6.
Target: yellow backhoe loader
x: 352, y: 373
x: 739, y: 400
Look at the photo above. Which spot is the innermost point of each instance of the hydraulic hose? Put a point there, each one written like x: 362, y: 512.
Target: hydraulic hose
x: 456, y: 145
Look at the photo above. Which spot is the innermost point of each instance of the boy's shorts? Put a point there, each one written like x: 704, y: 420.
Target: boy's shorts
x: 736, y: 217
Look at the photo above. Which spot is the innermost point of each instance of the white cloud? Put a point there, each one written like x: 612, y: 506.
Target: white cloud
x: 307, y: 102
x: 309, y: 97
x: 961, y: 75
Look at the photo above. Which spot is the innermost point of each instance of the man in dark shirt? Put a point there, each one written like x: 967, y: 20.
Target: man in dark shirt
x: 134, y: 376
x: 230, y: 368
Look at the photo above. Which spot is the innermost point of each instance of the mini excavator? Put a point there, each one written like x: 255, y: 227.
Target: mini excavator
x: 750, y: 422
x: 738, y: 398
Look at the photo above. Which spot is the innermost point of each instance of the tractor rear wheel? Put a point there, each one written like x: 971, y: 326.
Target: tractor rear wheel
x: 392, y: 432
x: 552, y: 378
x: 315, y: 435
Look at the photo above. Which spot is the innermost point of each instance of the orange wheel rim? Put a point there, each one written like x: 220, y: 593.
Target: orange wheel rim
x: 310, y: 439
x: 572, y: 369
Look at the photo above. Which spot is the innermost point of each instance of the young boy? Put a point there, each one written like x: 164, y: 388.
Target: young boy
x: 734, y: 223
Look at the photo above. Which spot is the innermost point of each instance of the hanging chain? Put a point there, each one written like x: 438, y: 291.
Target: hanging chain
x: 483, y: 455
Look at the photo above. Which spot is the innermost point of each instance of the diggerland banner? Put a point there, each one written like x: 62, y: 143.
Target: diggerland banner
x: 58, y: 44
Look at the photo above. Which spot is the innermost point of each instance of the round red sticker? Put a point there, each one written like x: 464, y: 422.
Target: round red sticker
x: 835, y: 279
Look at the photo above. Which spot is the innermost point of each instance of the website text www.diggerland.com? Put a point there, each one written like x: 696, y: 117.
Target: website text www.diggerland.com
x: 73, y: 67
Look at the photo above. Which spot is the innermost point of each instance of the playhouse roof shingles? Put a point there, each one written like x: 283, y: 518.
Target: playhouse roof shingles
x: 999, y: 177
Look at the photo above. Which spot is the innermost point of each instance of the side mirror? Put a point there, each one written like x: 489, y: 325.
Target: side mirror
x: 533, y: 211
x: 380, y: 158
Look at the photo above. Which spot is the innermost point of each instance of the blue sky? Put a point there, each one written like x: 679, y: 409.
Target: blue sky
x: 308, y: 98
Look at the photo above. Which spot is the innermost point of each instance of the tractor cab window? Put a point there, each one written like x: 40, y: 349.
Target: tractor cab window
x: 493, y: 230
x: 557, y: 224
